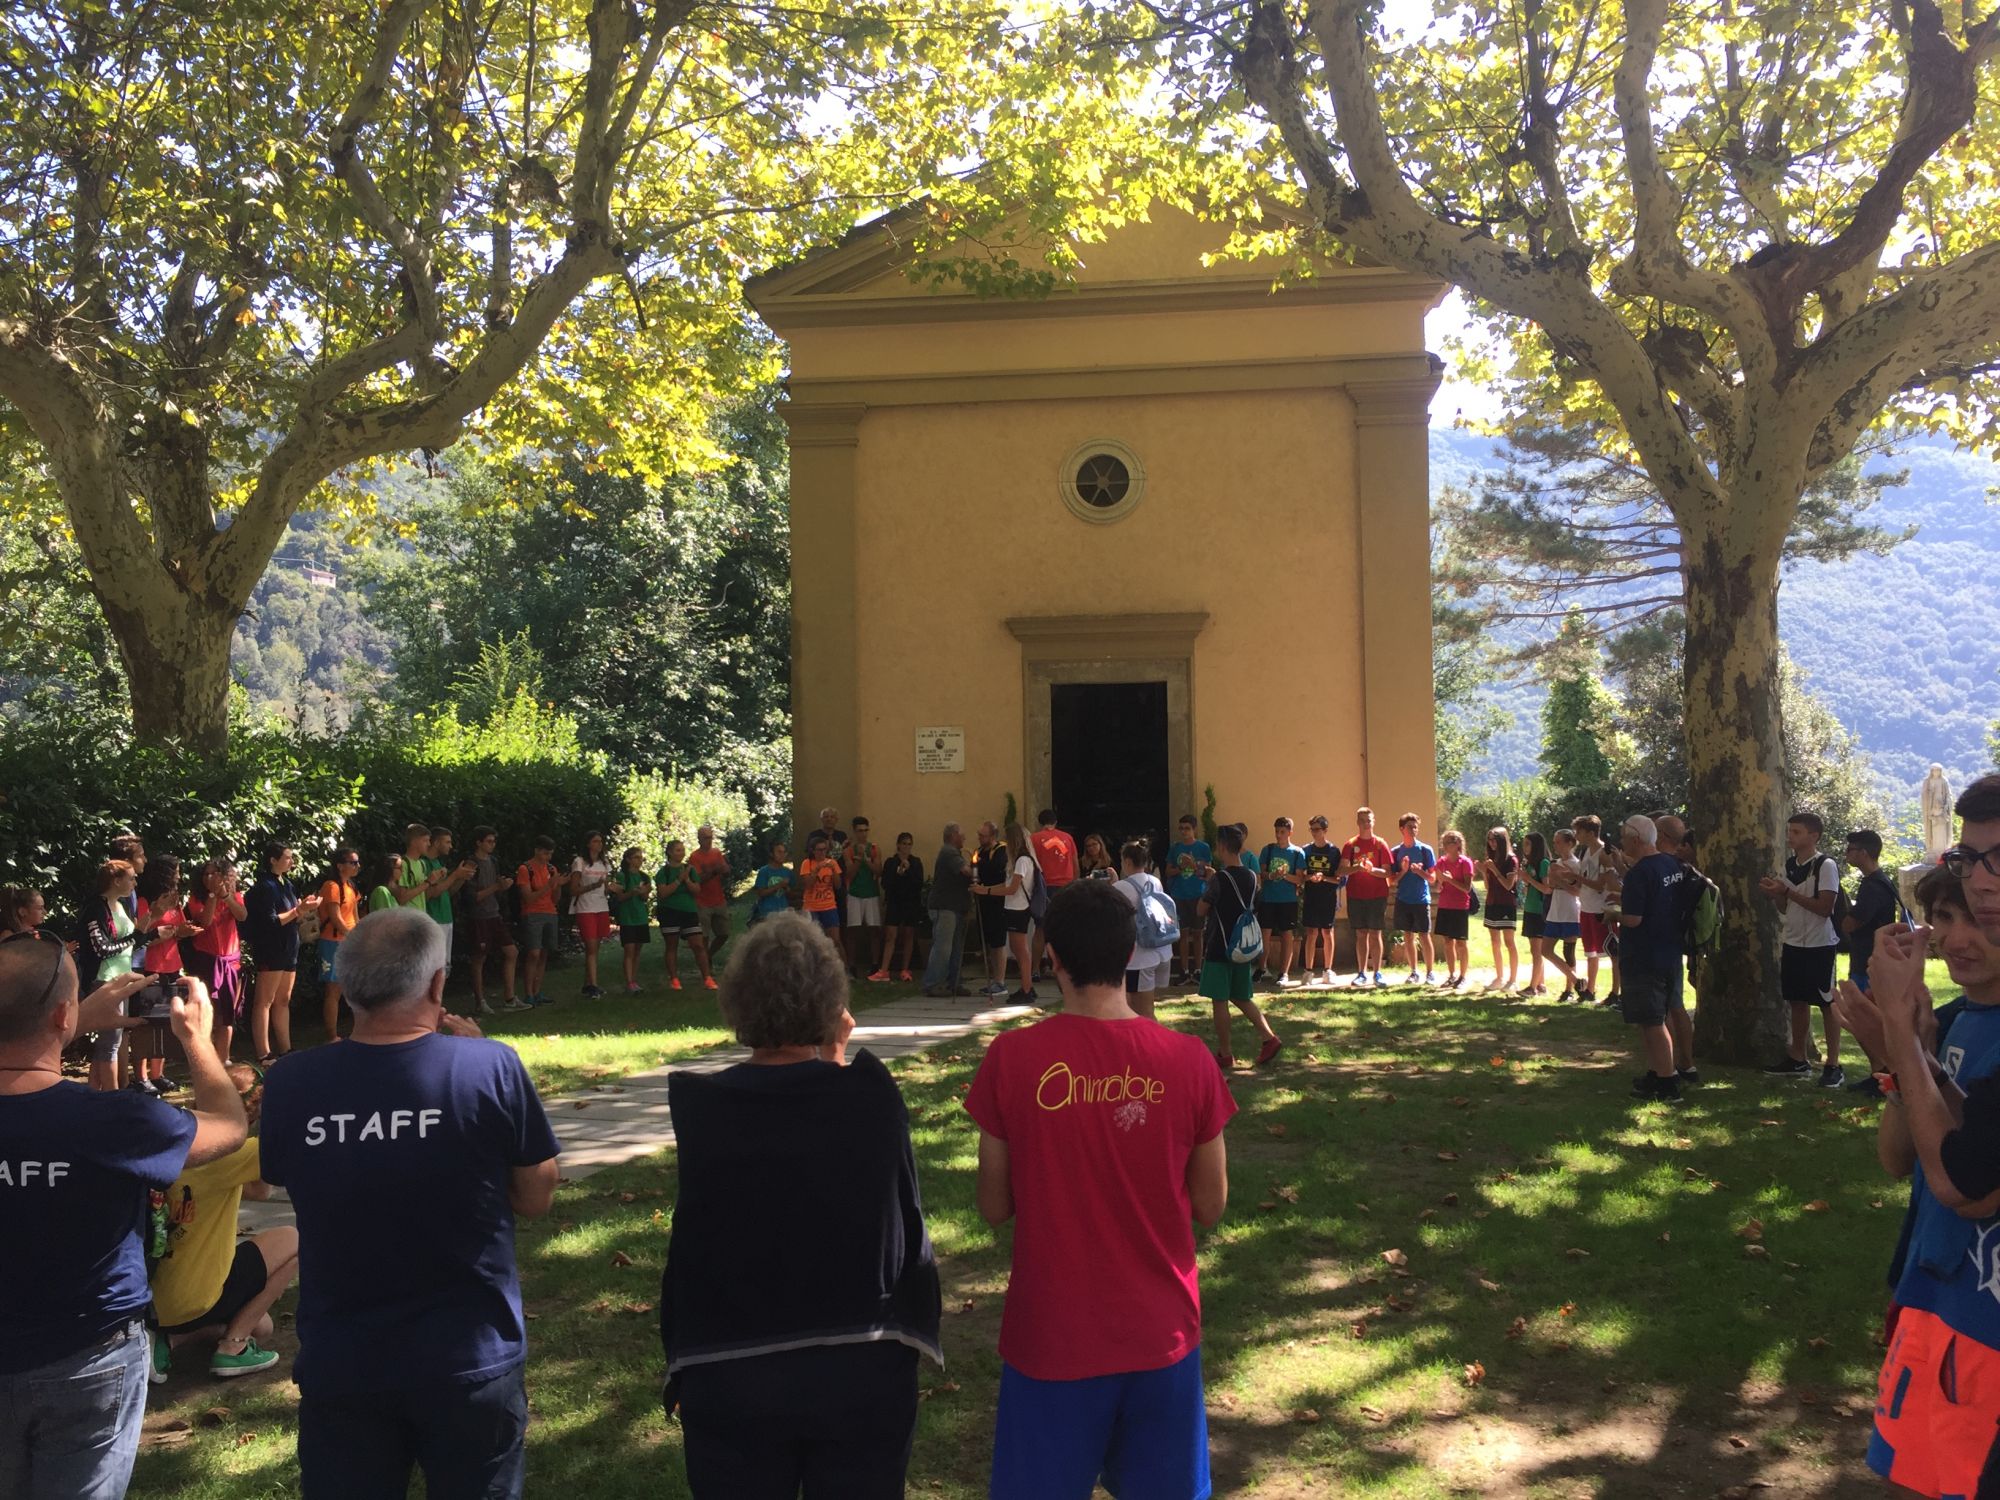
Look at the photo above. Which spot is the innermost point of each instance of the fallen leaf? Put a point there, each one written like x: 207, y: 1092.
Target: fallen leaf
x: 1817, y: 1344
x: 1363, y: 1208
x: 1738, y: 1442
x: 1488, y: 1286
x: 1460, y: 1102
x: 635, y: 1308
x: 1277, y: 1130
x: 1289, y: 1193
x: 1560, y: 1346
x: 1517, y: 1328
x: 1475, y: 1373
x: 620, y: 1258
x: 1875, y: 1203
x: 967, y: 1305
x: 581, y: 1104
x: 215, y: 1416
x: 1497, y: 1061
x: 1480, y: 1213
x: 628, y: 1197
x: 1449, y: 1200
x: 1305, y: 1414
x: 244, y: 1439
x: 1395, y: 1258
x: 1750, y: 1229
x: 1429, y: 1213
x: 1568, y: 1309
x: 1374, y: 1413
x: 1267, y: 1205
x: 1693, y: 1174
x: 1357, y: 1330
x: 1447, y: 1156
x: 1756, y: 1252
x: 1575, y: 1254
x: 1818, y: 1206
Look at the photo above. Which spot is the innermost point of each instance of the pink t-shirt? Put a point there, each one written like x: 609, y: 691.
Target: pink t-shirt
x: 1100, y: 1118
x: 1450, y: 897
x: 163, y: 956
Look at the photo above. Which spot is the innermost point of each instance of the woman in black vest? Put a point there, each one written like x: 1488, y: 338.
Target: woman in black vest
x: 800, y: 1288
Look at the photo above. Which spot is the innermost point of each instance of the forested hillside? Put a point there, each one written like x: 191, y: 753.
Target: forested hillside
x: 1888, y: 642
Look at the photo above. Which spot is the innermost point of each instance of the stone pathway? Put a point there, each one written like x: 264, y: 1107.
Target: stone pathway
x: 613, y: 1123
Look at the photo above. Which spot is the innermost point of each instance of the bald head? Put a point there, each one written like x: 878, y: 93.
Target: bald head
x: 1672, y: 830
x: 27, y: 998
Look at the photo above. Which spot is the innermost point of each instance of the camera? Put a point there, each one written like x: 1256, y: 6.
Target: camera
x: 154, y: 1003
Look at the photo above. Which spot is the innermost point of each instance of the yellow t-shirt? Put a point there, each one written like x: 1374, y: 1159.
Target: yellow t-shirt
x: 201, y: 1235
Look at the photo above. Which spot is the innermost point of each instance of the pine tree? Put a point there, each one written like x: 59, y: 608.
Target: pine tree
x: 1580, y: 718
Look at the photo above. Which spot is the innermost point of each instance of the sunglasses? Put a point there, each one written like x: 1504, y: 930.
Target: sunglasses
x: 41, y: 935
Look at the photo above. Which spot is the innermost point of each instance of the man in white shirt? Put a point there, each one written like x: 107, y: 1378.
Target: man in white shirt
x: 1805, y: 894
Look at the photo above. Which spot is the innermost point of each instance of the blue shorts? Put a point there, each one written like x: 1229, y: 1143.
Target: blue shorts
x: 1144, y: 1434
x: 829, y: 919
x: 329, y: 950
x: 1558, y: 931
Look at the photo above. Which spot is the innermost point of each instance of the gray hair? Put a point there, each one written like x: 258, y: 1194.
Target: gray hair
x: 389, y: 957
x: 949, y: 830
x: 785, y: 985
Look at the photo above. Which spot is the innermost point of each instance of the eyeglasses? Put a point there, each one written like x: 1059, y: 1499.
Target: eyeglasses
x: 1959, y: 861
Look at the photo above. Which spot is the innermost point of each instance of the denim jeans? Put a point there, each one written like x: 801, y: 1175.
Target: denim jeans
x: 947, y: 950
x: 469, y: 1439
x: 70, y: 1430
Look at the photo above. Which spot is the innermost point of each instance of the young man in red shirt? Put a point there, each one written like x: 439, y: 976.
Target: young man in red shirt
x: 1364, y: 861
x: 1100, y: 1135
x: 1055, y: 852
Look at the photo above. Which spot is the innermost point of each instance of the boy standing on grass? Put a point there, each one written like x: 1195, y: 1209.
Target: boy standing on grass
x: 1189, y: 861
x: 1232, y: 891
x: 1413, y: 862
x: 772, y: 886
x: 1100, y: 1136
x: 861, y: 867
x: 536, y: 881
x: 1364, y: 860
x: 1805, y: 894
x: 1598, y: 872
x: 1319, y: 901
x: 1282, y: 865
x: 1875, y: 902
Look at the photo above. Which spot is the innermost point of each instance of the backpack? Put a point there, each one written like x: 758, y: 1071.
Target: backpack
x: 1246, y: 938
x: 1038, y: 894
x: 1472, y: 897
x: 1159, y: 923
x: 1702, y: 921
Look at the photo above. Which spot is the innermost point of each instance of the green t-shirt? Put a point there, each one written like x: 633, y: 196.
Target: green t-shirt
x: 864, y: 884
x: 1532, y: 900
x: 680, y: 900
x: 416, y: 870
x: 440, y: 905
x: 630, y: 906
x: 381, y: 898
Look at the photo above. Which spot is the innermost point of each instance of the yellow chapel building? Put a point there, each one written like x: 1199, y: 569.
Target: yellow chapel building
x: 1164, y: 530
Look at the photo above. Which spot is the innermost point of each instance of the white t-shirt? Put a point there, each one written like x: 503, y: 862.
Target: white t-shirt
x: 598, y: 900
x: 1563, y: 904
x: 1018, y: 899
x: 1145, y: 959
x: 1802, y: 928
x: 1593, y: 864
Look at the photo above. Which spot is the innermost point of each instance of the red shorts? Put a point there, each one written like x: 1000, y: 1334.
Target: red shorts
x: 593, y: 926
x: 1936, y: 1407
x: 1595, y: 931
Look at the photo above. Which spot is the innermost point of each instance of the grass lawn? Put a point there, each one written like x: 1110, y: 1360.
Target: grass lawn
x: 1458, y: 1259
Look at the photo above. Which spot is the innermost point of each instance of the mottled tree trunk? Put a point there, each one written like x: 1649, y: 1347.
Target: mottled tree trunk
x: 175, y: 647
x: 1736, y: 795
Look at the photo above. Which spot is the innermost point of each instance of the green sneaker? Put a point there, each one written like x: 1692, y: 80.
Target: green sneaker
x: 163, y: 1358
x: 249, y: 1362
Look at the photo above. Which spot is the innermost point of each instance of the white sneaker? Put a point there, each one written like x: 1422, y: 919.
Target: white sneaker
x: 485, y: 1009
x: 1286, y: 982
x: 515, y: 1002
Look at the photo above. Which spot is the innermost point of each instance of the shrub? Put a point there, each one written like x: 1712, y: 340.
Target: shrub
x: 658, y: 810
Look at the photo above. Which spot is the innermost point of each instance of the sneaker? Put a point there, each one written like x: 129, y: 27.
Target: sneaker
x: 1380, y: 982
x: 1833, y: 1076
x: 1269, y: 1050
x: 1286, y: 982
x: 1026, y: 997
x: 674, y: 983
x: 248, y: 1362
x: 1413, y: 978
x: 482, y: 1007
x: 1566, y: 996
x: 1790, y: 1067
x: 1585, y: 997
x: 632, y: 989
x: 163, y: 1358
x: 1262, y: 976
x: 1429, y: 978
x: 995, y: 990
x: 1689, y: 1077
x: 1868, y: 1086
x: 537, y: 1001
x: 880, y: 976
x: 907, y: 977
x: 1645, y: 1086
x: 515, y: 1002
x: 709, y: 983
x: 164, y: 1086
x: 1611, y: 1000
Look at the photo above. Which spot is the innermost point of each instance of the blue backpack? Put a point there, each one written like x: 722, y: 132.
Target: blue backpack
x: 1246, y: 938
x: 1159, y: 922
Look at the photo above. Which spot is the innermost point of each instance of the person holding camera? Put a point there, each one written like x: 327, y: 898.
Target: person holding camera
x: 77, y: 1171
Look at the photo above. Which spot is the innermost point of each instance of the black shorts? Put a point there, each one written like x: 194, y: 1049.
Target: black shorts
x: 248, y: 1275
x: 633, y: 935
x: 1278, y: 916
x: 1453, y: 922
x: 282, y: 958
x: 1413, y: 916
x: 1805, y: 975
x: 903, y: 911
x: 1320, y: 903
x: 1364, y: 913
x: 1190, y: 915
x: 1502, y: 914
x: 992, y: 914
x: 1019, y: 921
x: 1532, y: 923
x: 1646, y: 998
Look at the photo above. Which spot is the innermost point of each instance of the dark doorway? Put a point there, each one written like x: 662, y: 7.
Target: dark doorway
x: 1108, y: 760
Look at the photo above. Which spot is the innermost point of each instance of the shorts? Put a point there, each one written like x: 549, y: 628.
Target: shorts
x: 864, y: 911
x: 1189, y: 911
x: 1645, y: 998
x: 714, y: 924
x: 992, y: 915
x: 1453, y: 922
x: 104, y: 1044
x: 635, y: 934
x: 492, y: 932
x: 1019, y: 921
x: 593, y: 926
x: 681, y: 924
x: 248, y: 1275
x: 1145, y: 1434
x: 1150, y: 978
x: 1413, y: 916
x: 1561, y: 932
x: 1223, y: 980
x: 1501, y: 917
x: 329, y: 954
x: 538, y: 931
x: 1805, y: 975
x: 1319, y: 905
x: 1278, y: 916
x: 1364, y: 913
x: 1595, y: 931
x: 1934, y: 1407
x: 1533, y: 923
x: 279, y: 958
x: 829, y: 918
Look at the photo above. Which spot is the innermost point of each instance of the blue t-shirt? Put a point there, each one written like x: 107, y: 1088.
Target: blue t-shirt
x: 1185, y: 861
x: 1413, y: 889
x: 398, y: 1160
x: 1952, y: 1263
x: 76, y: 1166
x: 772, y: 884
x: 1275, y: 862
x: 1652, y: 891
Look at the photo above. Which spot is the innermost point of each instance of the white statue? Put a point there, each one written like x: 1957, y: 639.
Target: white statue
x: 1934, y: 798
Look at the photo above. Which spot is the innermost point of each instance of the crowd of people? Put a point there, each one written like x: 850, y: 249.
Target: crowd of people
x: 793, y: 1323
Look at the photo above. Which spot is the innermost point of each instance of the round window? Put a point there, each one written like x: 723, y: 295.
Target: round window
x: 1102, y: 480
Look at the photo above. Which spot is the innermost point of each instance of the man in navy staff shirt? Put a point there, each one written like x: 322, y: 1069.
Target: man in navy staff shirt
x: 408, y: 1151
x: 77, y: 1168
x: 1648, y: 914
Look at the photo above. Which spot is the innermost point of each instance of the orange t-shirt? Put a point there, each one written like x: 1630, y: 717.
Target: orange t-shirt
x: 538, y: 888
x: 819, y: 877
x: 707, y: 866
x: 1055, y: 852
x: 339, y: 910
